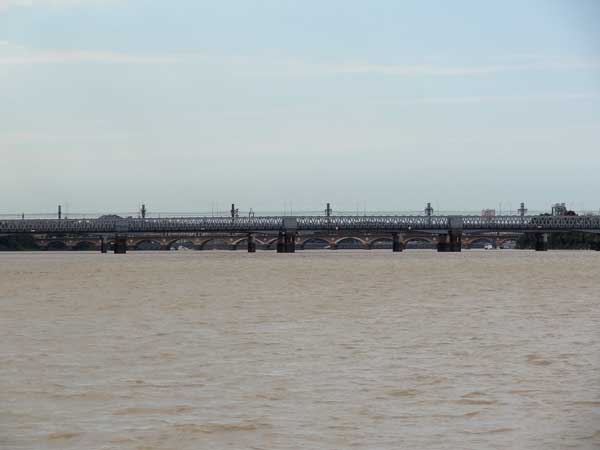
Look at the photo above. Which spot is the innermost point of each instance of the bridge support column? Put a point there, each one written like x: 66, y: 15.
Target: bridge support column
x: 541, y: 242
x: 452, y: 242
x: 251, y: 244
x: 120, y: 245
x: 396, y: 243
x: 290, y: 242
x: 281, y: 243
x: 455, y: 241
x: 103, y: 246
x: 442, y: 243
x: 286, y: 242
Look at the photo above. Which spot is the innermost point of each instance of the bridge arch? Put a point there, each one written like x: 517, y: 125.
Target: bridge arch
x: 350, y: 242
x: 175, y: 244
x: 215, y: 244
x: 271, y: 244
x: 381, y: 242
x: 481, y: 242
x: 147, y: 245
x: 314, y: 243
x: 508, y: 243
x: 240, y: 243
x: 419, y: 242
x: 85, y: 246
x: 56, y: 246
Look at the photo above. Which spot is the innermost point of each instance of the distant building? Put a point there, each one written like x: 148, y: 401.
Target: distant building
x: 488, y: 213
x: 559, y: 209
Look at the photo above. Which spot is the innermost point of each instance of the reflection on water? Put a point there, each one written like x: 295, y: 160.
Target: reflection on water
x: 314, y: 350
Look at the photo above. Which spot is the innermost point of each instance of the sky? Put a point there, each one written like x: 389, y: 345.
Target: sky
x: 191, y: 105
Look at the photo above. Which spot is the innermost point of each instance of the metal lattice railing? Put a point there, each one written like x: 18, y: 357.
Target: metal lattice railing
x: 304, y: 223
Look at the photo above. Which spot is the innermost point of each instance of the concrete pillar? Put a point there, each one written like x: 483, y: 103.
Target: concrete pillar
x: 541, y: 242
x: 442, y: 243
x: 396, y: 243
x: 120, y: 244
x: 281, y: 242
x: 455, y: 241
x: 290, y: 242
x: 103, y: 246
x: 286, y: 242
x: 251, y: 244
x: 451, y: 242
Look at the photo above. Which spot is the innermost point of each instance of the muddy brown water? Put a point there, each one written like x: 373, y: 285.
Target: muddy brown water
x: 313, y: 350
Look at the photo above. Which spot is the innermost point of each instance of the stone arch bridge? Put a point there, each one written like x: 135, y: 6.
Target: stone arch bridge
x: 203, y: 241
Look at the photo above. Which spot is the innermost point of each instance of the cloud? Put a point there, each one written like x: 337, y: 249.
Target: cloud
x: 300, y: 68
x: 11, y: 54
x: 458, y: 71
x: 14, y: 55
x: 549, y: 97
x: 58, y: 57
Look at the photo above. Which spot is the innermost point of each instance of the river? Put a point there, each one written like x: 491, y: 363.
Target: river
x: 313, y: 350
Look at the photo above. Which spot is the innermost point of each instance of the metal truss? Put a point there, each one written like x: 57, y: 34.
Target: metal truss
x: 304, y: 223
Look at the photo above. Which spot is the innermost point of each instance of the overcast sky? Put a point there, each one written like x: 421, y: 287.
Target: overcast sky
x: 378, y: 104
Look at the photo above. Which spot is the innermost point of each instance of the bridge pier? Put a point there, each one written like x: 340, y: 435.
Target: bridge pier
x: 396, y: 243
x: 251, y: 244
x: 120, y: 245
x: 281, y: 242
x: 455, y: 238
x: 103, y: 246
x: 541, y: 242
x: 286, y: 242
x: 452, y: 242
x: 443, y: 243
x: 290, y: 242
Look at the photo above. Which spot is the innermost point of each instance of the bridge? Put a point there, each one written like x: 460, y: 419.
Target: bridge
x: 265, y: 241
x: 445, y: 231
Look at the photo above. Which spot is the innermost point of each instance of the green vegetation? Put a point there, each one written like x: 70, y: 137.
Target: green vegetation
x: 14, y: 243
x: 562, y: 241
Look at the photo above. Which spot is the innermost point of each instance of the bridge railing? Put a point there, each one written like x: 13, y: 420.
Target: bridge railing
x: 304, y: 223
x: 183, y: 224
x: 531, y: 223
x: 373, y: 223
